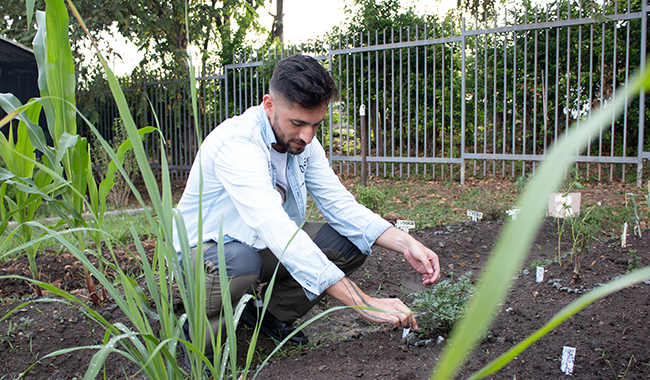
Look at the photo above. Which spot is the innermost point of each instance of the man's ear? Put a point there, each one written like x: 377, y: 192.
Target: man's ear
x: 269, y: 106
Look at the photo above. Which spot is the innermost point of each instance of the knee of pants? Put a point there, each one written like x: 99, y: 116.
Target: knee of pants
x: 243, y: 268
x: 241, y: 260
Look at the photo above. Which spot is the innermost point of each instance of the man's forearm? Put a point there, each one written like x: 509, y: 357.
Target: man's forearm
x: 349, y: 294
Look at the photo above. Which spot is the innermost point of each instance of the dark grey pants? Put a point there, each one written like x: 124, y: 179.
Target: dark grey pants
x: 248, y: 269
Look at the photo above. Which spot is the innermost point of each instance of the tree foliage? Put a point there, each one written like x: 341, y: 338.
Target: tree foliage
x: 157, y: 27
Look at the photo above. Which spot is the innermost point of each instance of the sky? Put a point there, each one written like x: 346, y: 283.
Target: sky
x: 303, y: 20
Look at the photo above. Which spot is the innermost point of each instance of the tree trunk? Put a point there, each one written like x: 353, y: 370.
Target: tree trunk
x: 277, y: 30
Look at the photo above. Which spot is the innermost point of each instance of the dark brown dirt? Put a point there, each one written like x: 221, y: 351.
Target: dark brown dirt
x: 611, y: 335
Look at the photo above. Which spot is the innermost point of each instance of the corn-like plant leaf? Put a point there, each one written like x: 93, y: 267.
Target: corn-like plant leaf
x: 29, y: 5
x: 59, y: 70
x: 12, y: 106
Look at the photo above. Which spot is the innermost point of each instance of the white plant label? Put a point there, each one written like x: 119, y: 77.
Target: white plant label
x: 568, y: 357
x: 624, y: 236
x: 475, y: 215
x: 514, y: 212
x: 561, y: 206
x: 405, y: 225
x: 540, y: 274
x: 405, y: 332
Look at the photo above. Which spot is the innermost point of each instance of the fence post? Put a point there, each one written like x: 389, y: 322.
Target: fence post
x: 364, y: 147
x: 644, y: 36
x: 462, y: 103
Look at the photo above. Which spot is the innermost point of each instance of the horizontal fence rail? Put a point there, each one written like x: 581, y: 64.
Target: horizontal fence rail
x: 444, y: 101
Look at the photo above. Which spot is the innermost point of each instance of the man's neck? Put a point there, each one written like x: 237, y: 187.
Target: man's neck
x: 278, y: 148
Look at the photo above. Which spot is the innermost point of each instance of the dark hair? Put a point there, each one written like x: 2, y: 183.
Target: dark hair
x: 302, y: 80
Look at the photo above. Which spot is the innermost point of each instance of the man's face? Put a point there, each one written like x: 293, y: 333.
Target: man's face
x: 294, y: 127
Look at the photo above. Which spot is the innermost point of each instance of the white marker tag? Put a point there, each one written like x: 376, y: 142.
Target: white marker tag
x: 514, y: 212
x: 561, y: 206
x: 568, y: 357
x: 475, y: 215
x: 540, y: 274
x: 624, y: 236
x: 405, y: 332
x: 405, y: 225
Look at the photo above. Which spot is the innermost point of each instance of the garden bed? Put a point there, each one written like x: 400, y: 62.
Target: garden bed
x: 611, y: 335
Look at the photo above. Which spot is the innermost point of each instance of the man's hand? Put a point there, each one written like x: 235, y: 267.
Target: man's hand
x: 393, y: 310
x: 421, y: 258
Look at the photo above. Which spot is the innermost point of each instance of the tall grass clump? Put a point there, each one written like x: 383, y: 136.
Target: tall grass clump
x: 515, y: 240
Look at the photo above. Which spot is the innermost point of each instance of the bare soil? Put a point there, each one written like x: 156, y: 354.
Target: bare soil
x: 611, y: 336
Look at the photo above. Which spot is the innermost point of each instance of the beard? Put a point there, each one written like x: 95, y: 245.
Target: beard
x: 283, y: 142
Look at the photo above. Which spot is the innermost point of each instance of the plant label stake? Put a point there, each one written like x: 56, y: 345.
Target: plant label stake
x: 405, y: 332
x: 568, y: 357
x: 405, y: 225
x: 540, y: 274
x: 624, y: 236
x: 514, y: 212
x: 475, y: 215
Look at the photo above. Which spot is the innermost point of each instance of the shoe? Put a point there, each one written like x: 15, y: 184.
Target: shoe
x: 271, y: 326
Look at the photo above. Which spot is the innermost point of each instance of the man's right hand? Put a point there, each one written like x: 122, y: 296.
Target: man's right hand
x: 393, y: 310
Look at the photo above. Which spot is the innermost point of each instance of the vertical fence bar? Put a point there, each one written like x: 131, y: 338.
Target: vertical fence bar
x: 525, y: 95
x: 644, y: 41
x: 385, y: 106
x: 475, y: 96
x: 408, y: 102
x: 536, y: 62
x: 451, y: 105
x: 377, y: 104
x: 424, y: 95
x: 463, y: 100
x: 514, y: 98
x: 602, y: 86
x: 435, y: 104
x: 627, y: 78
x: 485, y: 96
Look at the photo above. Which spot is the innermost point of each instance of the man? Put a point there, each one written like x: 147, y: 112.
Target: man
x: 257, y: 169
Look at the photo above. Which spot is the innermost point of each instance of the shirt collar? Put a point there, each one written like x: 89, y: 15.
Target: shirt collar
x: 267, y: 130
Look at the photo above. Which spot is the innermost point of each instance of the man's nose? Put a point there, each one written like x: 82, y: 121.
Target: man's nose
x: 307, y: 134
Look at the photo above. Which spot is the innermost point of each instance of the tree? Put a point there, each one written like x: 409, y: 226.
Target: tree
x: 158, y: 27
x: 277, y: 30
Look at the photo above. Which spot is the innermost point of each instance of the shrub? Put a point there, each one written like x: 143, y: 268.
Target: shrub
x: 371, y: 197
x: 443, y: 304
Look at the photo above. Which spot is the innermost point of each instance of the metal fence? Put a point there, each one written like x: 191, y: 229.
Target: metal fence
x: 445, y: 100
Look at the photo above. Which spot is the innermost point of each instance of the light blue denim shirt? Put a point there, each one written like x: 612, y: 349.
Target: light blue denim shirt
x: 239, y: 188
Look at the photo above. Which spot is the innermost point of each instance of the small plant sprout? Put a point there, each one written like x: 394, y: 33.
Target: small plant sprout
x: 633, y: 261
x: 443, y: 304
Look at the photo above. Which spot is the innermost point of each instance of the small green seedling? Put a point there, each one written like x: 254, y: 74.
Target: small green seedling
x: 443, y: 304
